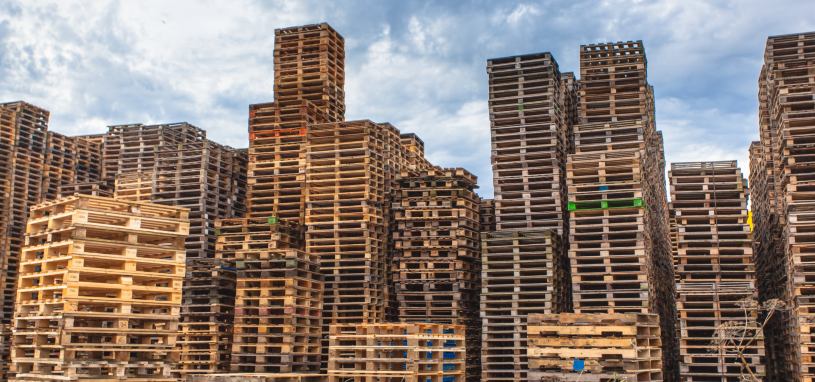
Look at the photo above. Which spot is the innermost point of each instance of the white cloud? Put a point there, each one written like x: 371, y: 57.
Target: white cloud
x: 520, y: 13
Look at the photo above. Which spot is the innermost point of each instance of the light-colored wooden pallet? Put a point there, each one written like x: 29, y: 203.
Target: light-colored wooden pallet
x: 621, y: 346
x: 100, y: 280
x: 263, y: 377
x: 404, y: 352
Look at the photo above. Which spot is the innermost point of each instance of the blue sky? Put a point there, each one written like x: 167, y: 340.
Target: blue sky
x: 418, y: 65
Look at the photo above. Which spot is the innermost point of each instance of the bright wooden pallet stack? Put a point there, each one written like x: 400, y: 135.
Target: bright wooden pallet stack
x: 398, y: 352
x: 99, y: 291
x: 531, y: 112
x: 278, y: 315
x: 436, y: 264
x: 783, y: 205
x: 245, y: 377
x: 612, y: 347
x: 715, y: 270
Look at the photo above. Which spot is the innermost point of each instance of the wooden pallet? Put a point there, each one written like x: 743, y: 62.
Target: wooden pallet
x: 268, y: 377
x: 100, y: 279
x: 436, y: 268
x: 523, y: 273
x: 486, y: 211
x: 612, y: 347
x: 530, y: 123
x: 409, y: 352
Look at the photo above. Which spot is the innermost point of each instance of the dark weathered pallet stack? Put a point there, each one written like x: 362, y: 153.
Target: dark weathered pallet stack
x: 278, y: 315
x: 207, y: 316
x: 398, y: 352
x: 715, y: 271
x: 783, y: 203
x: 264, y: 377
x: 620, y: 237
x: 199, y: 176
x: 530, y: 133
x: 436, y: 265
x: 522, y: 273
x: 73, y: 165
x: 99, y: 291
x: 25, y: 130
x: 613, y: 347
x: 132, y: 148
x: 531, y: 111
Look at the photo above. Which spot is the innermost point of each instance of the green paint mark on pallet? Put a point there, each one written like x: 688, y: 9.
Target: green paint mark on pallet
x: 606, y: 204
x: 273, y: 220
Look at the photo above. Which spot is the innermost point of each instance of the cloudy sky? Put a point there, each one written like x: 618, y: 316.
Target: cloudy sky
x: 418, y: 65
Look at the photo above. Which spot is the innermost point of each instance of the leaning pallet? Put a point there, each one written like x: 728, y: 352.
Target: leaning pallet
x: 397, y: 352
x: 100, y: 280
x: 594, y: 347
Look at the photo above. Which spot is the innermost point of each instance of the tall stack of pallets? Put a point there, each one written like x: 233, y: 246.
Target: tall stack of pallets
x: 715, y: 272
x: 278, y: 315
x: 531, y: 111
x: 99, y: 291
x: 436, y: 264
x: 309, y: 83
x: 396, y: 352
x: 783, y: 205
x: 619, y: 245
x: 23, y: 137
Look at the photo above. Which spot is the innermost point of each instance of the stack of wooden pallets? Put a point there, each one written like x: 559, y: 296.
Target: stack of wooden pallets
x: 208, y: 309
x: 594, y: 347
x: 278, y: 315
x: 23, y: 137
x: 715, y: 271
x: 277, y: 156
x: 404, y: 352
x: 99, y: 291
x: 486, y: 211
x: 436, y: 265
x: 522, y: 274
x: 620, y: 249
x: 531, y: 112
x: 783, y: 204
